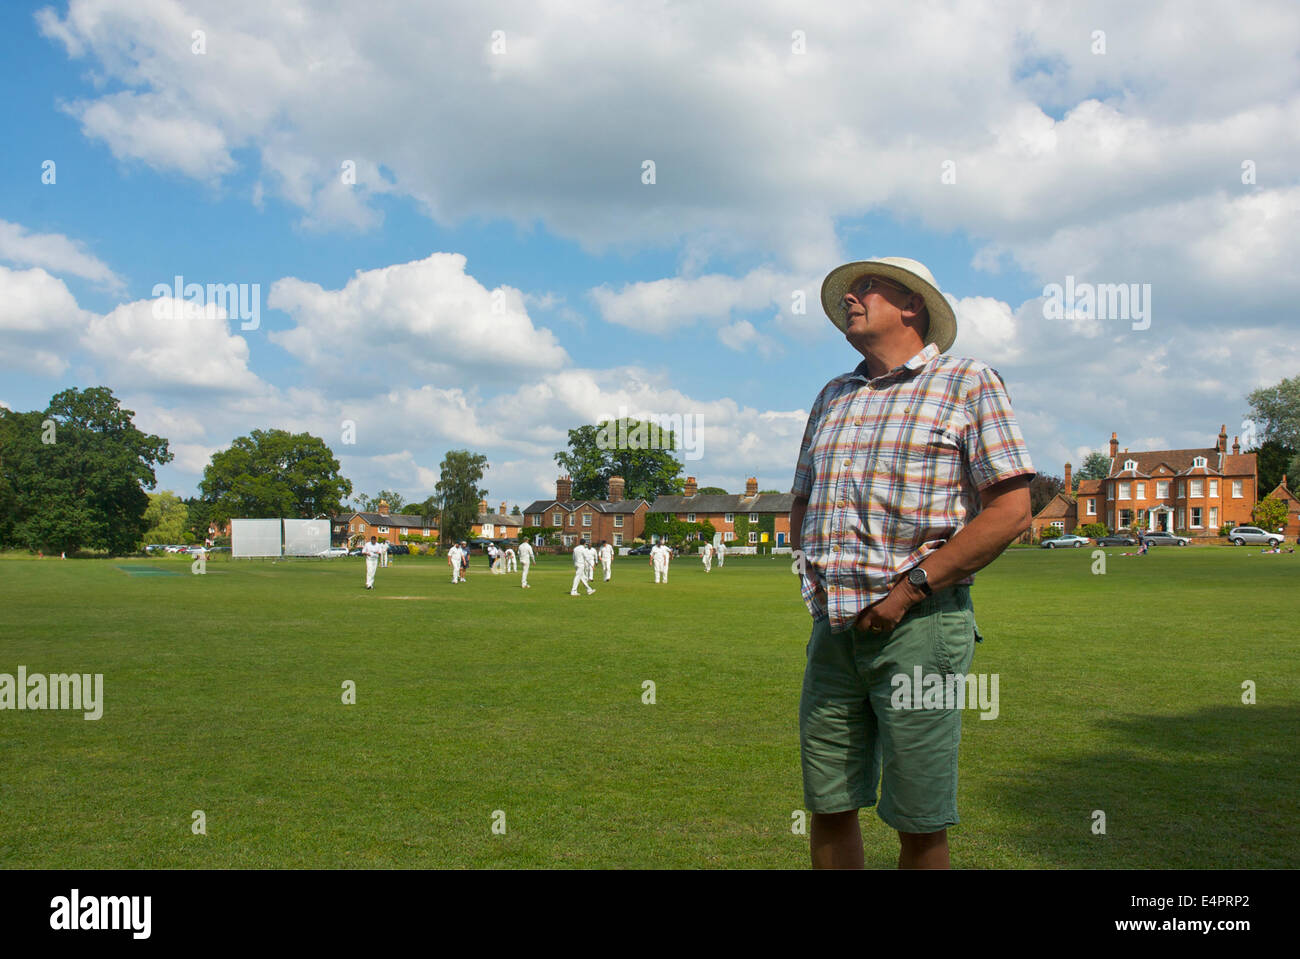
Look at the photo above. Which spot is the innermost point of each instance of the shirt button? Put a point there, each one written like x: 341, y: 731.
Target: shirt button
x: 841, y: 504
x: 848, y: 462
x: 835, y: 549
x: 857, y: 421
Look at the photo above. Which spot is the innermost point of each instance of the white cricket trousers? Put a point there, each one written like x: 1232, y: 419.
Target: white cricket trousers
x: 525, y: 570
x: 606, y: 563
x: 372, y: 564
x: 661, y: 569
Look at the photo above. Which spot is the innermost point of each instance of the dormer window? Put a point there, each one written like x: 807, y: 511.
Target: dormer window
x: 1199, y: 461
x: 1130, y: 465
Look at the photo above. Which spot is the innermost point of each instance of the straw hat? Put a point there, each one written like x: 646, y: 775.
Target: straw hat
x: 907, y: 273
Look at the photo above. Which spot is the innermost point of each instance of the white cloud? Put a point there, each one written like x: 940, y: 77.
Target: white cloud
x: 56, y: 253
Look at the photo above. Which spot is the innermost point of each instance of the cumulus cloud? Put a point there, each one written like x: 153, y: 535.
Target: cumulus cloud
x: 56, y: 253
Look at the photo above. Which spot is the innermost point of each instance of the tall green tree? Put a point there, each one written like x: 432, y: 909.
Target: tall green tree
x: 1096, y: 465
x: 272, y: 473
x: 1272, y: 460
x: 639, y: 451
x: 167, y: 516
x: 1275, y: 411
x: 458, y: 493
x: 370, y: 504
x: 75, y: 475
x: 1042, y: 487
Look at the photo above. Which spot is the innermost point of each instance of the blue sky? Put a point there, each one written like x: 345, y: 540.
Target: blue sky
x: 512, y: 161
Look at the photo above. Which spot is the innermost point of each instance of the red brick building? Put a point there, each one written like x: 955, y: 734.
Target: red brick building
x: 721, y: 510
x: 615, y: 519
x: 353, y: 528
x: 498, y: 525
x: 1292, y: 529
x: 1191, y: 491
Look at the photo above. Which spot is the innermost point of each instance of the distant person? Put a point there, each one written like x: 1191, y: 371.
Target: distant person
x: 659, y: 554
x: 453, y: 560
x: 526, y: 558
x: 510, y: 560
x: 606, y: 559
x: 706, y: 557
x: 580, y: 567
x: 371, y: 552
x: 383, y: 554
x: 464, y: 560
x: 498, y: 562
x: 722, y: 555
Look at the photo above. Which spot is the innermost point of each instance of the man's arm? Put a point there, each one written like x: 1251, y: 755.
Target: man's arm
x: 1005, y: 516
x: 797, y: 510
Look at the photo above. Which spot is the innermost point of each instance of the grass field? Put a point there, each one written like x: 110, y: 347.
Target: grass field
x: 223, y: 693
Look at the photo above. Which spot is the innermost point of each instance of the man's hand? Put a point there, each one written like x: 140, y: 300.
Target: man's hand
x: 884, y: 614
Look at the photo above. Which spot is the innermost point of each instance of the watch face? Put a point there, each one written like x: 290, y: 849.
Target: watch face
x: 916, y: 577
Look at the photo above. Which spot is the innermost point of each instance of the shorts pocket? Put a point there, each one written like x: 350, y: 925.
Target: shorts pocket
x: 955, y: 640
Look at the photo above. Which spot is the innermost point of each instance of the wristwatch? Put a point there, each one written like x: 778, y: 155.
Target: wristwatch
x: 916, y: 576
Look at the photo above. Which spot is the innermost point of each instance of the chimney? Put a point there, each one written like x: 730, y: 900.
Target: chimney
x: 482, y: 507
x: 691, y: 488
x: 383, y: 507
x: 504, y: 511
x: 1223, y: 438
x: 751, y: 486
x: 1236, y: 447
x: 564, y: 489
x: 1114, y: 445
x: 1069, y: 490
x: 616, y: 489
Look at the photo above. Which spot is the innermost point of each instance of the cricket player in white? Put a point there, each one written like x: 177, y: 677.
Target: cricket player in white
x: 498, y: 562
x: 606, y: 559
x: 525, y: 557
x: 659, y: 560
x: 722, y: 555
x: 590, y: 552
x: 383, y: 554
x: 371, y: 552
x: 581, y: 566
x: 706, y: 557
x: 454, y: 556
x: 510, y: 560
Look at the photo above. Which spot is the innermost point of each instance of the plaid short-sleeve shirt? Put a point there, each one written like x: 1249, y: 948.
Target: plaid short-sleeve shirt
x: 892, y: 468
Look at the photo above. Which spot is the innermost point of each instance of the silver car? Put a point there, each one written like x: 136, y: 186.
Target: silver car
x: 1073, y: 542
x: 1241, y: 535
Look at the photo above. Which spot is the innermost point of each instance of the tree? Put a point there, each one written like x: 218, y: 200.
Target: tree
x: 166, y: 517
x: 514, y: 511
x: 1269, y: 513
x: 75, y: 476
x: 1096, y: 465
x: 273, y: 473
x: 370, y: 504
x: 713, y: 490
x: 1041, y: 490
x: 638, y: 451
x: 197, y: 518
x: 1272, y: 460
x: 459, y: 493
x: 1276, y: 412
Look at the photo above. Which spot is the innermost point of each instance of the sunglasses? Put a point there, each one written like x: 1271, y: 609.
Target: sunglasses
x: 865, y: 285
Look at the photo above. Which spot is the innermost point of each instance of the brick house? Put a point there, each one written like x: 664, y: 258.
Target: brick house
x: 1292, y: 530
x: 1191, y: 490
x: 721, y: 509
x: 353, y: 528
x: 615, y: 519
x: 498, y: 525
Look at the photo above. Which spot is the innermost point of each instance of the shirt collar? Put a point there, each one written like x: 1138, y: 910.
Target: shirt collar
x: 928, y: 353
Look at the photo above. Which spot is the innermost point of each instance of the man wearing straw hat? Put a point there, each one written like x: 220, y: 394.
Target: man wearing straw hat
x: 912, y: 475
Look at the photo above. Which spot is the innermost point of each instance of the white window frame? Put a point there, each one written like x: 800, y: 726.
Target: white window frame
x: 1162, y: 489
x: 728, y: 517
x: 586, y: 519
x: 1197, y: 489
x: 1199, y: 461
x: 1130, y: 464
x: 1178, y: 520
x: 753, y: 537
x: 1140, y: 490
x: 556, y: 519
x: 1236, y: 489
x: 1092, y: 506
x: 572, y: 517
x: 728, y: 536
x: 381, y: 529
x: 1214, y: 489
x: 1196, y: 518
x: 618, y: 520
x: 690, y: 517
x: 1182, y: 489
x: 618, y: 539
x: 753, y: 517
x: 1123, y: 490
x: 1214, y: 517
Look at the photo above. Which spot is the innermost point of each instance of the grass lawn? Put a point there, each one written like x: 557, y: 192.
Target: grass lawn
x: 223, y: 693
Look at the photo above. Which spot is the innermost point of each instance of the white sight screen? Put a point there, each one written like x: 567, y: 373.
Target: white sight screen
x: 254, y: 537
x: 306, y: 537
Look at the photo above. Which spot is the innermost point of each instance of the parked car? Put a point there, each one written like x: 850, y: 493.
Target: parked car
x: 1117, y: 539
x: 333, y: 551
x: 639, y: 550
x: 1161, y: 538
x: 1241, y: 535
x: 1061, y: 541
x: 356, y: 552
x: 398, y: 549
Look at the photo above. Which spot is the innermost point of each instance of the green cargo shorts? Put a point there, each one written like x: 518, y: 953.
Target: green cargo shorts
x: 850, y: 734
